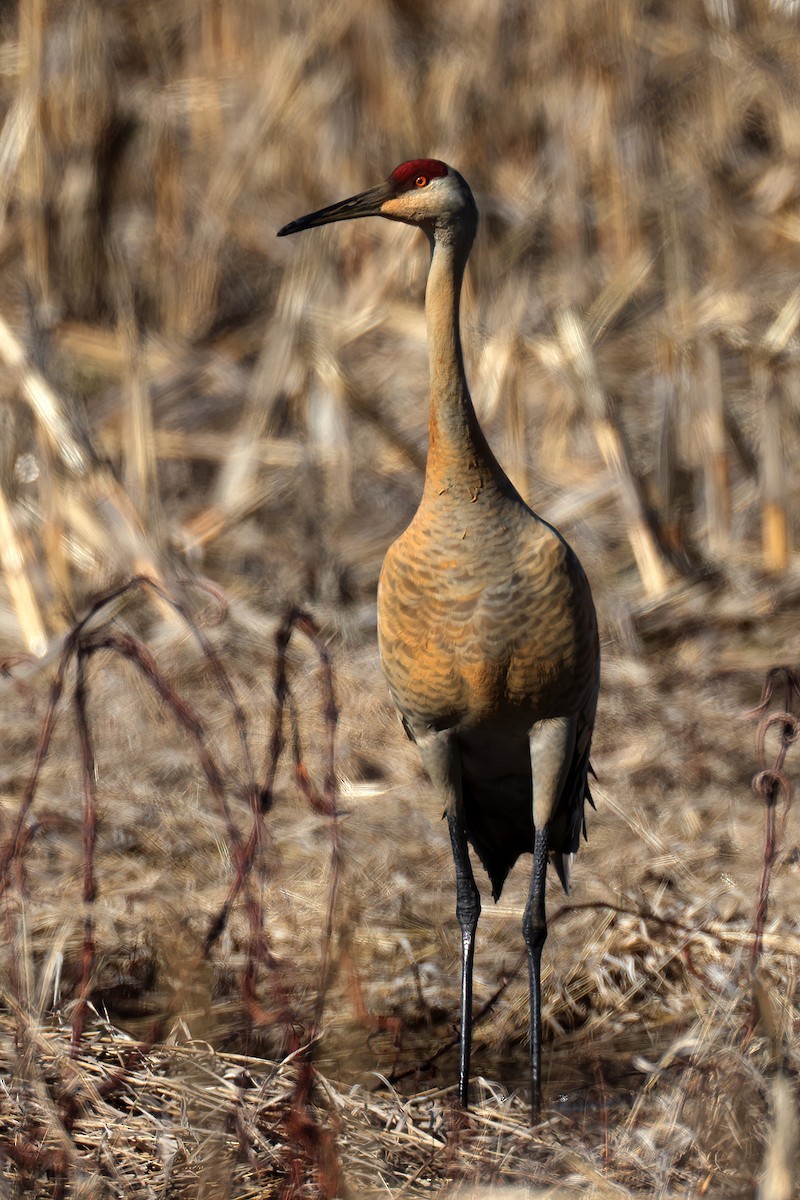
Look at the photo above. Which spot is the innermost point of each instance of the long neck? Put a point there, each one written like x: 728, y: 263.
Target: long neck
x: 457, y: 446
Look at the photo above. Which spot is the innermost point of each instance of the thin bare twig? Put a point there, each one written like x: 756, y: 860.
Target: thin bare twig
x: 89, y: 841
x: 772, y: 784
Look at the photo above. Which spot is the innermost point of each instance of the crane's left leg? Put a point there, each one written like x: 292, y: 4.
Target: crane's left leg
x: 552, y: 745
x: 534, y: 928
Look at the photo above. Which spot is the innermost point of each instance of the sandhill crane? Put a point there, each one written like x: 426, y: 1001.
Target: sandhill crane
x: 486, y: 625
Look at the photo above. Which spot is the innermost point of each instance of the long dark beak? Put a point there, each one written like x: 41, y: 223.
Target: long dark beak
x: 366, y: 204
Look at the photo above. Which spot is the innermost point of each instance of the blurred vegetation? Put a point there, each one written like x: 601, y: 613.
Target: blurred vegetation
x: 183, y: 395
x: 175, y: 380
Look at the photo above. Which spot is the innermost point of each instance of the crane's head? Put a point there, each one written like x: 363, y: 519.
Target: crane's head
x: 424, y: 192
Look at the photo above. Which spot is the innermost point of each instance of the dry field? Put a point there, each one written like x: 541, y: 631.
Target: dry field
x: 229, y: 965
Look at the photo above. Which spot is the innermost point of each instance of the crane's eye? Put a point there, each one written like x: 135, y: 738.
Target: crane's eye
x: 421, y: 181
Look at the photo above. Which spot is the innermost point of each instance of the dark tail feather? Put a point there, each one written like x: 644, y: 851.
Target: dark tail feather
x: 562, y: 864
x: 496, y: 868
x: 498, y: 837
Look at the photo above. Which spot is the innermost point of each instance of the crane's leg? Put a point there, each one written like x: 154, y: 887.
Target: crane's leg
x: 534, y: 928
x: 552, y: 744
x: 468, y: 909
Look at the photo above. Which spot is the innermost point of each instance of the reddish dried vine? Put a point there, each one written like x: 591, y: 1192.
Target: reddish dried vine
x: 88, y: 637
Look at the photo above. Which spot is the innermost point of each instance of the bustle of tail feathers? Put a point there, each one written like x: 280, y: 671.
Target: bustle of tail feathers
x: 496, y: 868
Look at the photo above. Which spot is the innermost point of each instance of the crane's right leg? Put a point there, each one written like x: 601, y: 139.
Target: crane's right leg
x: 442, y: 760
x: 468, y: 909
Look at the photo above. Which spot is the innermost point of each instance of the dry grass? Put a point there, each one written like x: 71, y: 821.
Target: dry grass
x: 183, y: 395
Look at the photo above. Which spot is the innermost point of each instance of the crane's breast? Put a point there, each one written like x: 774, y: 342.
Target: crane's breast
x: 495, y: 630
